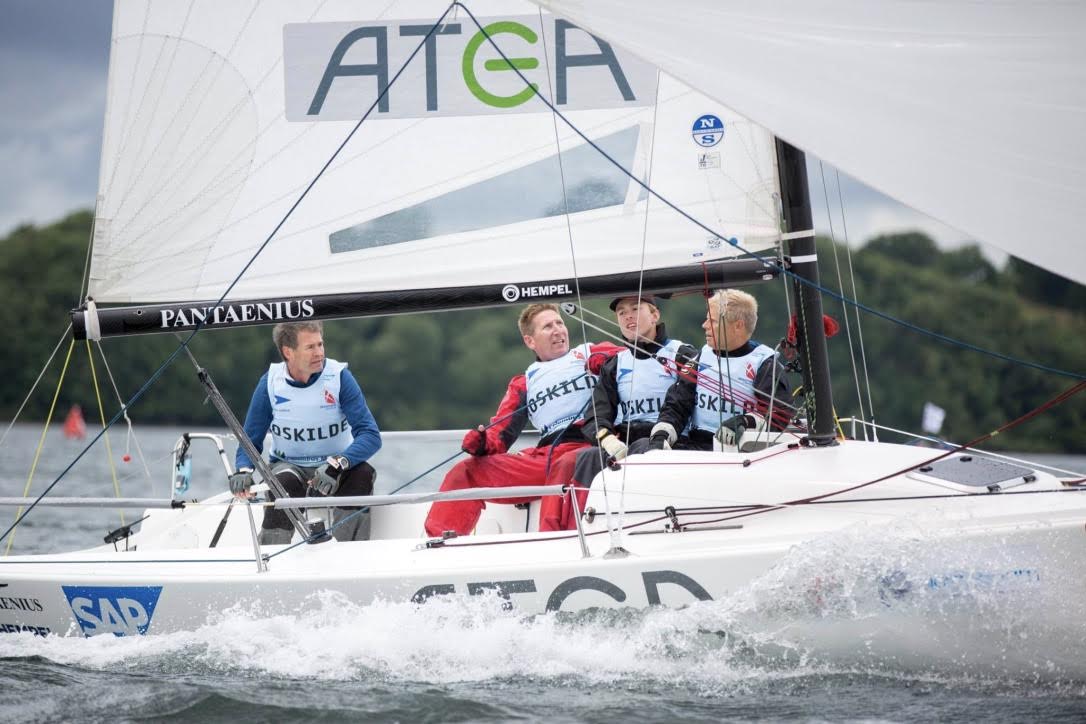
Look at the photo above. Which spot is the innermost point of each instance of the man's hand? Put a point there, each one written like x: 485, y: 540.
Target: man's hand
x: 614, y: 447
x: 475, y: 441
x: 663, y: 436
x: 732, y: 429
x: 686, y: 363
x: 326, y: 479
x: 595, y: 362
x: 240, y: 482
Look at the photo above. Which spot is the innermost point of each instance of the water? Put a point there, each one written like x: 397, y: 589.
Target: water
x: 778, y: 650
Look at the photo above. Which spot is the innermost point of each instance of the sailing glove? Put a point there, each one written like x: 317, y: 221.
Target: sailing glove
x: 732, y: 429
x: 614, y: 447
x: 595, y: 362
x: 475, y: 442
x: 241, y: 481
x: 686, y: 363
x: 663, y: 436
x: 326, y: 479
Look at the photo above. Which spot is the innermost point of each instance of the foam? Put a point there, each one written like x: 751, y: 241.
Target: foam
x: 869, y: 600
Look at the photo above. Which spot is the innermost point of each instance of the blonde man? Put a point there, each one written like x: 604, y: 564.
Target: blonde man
x: 736, y: 382
x: 552, y: 394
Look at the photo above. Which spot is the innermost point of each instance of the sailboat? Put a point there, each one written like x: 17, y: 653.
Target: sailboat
x: 302, y: 160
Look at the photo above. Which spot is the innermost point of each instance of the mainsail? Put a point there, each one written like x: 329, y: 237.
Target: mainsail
x: 969, y: 112
x: 461, y: 187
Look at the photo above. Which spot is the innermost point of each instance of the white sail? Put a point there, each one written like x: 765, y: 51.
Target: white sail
x: 969, y: 112
x: 210, y: 138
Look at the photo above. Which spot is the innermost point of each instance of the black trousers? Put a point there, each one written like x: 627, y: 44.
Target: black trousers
x: 294, y: 479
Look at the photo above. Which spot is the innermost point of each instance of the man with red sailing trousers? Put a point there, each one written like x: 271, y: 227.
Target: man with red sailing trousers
x: 552, y: 394
x: 322, y: 432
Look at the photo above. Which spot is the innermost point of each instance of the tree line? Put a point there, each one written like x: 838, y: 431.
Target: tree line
x: 448, y: 370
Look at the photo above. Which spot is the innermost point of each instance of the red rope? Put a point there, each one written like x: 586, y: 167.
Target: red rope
x: 1063, y: 396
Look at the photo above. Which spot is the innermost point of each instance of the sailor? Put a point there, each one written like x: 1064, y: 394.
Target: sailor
x: 739, y: 383
x: 625, y: 403
x: 552, y: 394
x: 322, y: 432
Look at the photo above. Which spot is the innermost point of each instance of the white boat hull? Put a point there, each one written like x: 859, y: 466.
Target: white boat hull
x: 1030, y: 541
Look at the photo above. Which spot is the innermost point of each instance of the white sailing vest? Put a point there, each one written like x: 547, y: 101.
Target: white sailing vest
x: 308, y: 424
x: 709, y: 407
x: 642, y: 384
x: 558, y: 390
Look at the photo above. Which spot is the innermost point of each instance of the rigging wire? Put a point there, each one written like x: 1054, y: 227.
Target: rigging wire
x: 856, y: 310
x: 131, y: 435
x: 199, y: 326
x: 569, y: 231
x: 19, y: 515
x: 102, y: 416
x: 841, y: 286
x: 768, y: 264
x: 1052, y: 402
x: 34, y: 386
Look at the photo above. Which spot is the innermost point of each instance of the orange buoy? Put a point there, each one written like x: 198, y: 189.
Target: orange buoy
x: 74, y: 426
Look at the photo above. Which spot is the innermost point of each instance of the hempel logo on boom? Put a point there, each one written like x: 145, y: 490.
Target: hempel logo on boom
x: 237, y: 313
x: 513, y: 292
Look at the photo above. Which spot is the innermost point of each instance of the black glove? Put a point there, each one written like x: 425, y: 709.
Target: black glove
x: 475, y: 441
x: 662, y: 437
x: 731, y: 429
x: 326, y: 479
x: 241, y: 481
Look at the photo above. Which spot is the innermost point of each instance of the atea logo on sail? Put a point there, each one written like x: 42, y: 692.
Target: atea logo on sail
x: 334, y: 71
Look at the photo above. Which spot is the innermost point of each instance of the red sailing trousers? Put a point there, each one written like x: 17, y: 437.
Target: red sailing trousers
x: 526, y: 467
x: 556, y: 513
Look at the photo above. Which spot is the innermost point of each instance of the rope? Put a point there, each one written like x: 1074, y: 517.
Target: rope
x: 35, y: 385
x: 753, y: 255
x: 859, y: 325
x: 200, y: 325
x: 37, y: 453
x: 1058, y: 399
x: 102, y: 416
x: 844, y: 307
x: 131, y: 436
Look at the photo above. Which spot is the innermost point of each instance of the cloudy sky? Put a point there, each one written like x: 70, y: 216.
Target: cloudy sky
x: 54, y: 56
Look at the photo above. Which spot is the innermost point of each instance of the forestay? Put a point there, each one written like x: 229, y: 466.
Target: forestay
x: 220, y: 114
x: 970, y: 112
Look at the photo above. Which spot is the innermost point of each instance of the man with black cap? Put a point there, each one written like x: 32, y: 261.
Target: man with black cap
x: 625, y: 404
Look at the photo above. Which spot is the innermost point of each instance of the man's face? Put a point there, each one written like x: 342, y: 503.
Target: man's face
x: 549, y: 338
x: 722, y: 335
x: 637, y: 319
x: 307, y: 357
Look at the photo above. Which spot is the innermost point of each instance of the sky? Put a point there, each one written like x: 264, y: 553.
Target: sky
x: 54, y: 58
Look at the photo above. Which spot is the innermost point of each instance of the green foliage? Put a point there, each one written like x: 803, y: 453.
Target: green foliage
x: 448, y: 370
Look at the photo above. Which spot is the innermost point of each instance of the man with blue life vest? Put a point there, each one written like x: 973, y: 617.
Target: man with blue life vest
x: 739, y: 385
x: 552, y: 394
x: 322, y: 432
x: 625, y: 403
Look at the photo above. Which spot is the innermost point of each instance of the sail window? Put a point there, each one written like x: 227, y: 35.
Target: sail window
x: 533, y: 191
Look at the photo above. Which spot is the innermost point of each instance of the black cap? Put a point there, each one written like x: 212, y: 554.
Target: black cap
x: 650, y: 298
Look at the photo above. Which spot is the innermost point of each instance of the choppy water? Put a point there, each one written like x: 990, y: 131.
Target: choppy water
x: 846, y: 649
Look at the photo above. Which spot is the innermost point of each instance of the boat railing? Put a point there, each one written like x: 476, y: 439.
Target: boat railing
x: 523, y: 491
x: 181, y: 466
x: 950, y: 445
